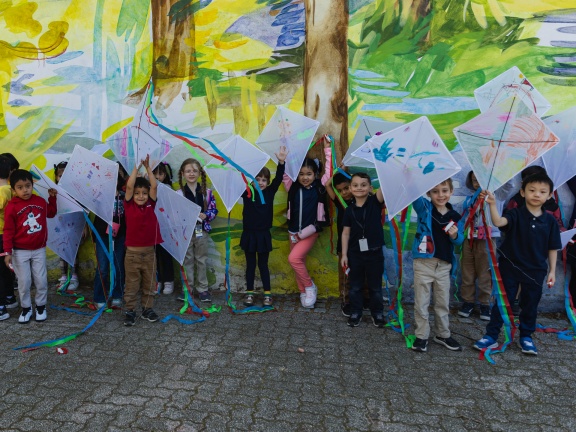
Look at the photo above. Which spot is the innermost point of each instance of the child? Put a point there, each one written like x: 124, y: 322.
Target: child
x: 571, y: 248
x: 362, y: 242
x: 14, y: 164
x: 257, y: 221
x: 102, y: 274
x: 163, y: 173
x: 25, y: 236
x: 306, y: 207
x: 531, y: 236
x: 475, y: 259
x: 7, y: 298
x: 433, y: 251
x: 142, y: 235
x: 197, y: 253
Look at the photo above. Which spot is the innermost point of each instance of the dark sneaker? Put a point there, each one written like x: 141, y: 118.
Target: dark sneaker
x: 267, y: 301
x: 466, y: 309
x: 150, y: 315
x: 354, y: 320
x: 485, y: 312
x: 4, y: 315
x: 205, y: 297
x: 378, y: 320
x: 528, y: 346
x: 249, y: 300
x: 346, y: 310
x: 420, y: 345
x: 180, y: 297
x: 11, y: 302
x: 130, y: 318
x: 449, y: 342
x: 486, y: 342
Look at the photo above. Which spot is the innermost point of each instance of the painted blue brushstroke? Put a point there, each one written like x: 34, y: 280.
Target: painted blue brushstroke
x: 65, y: 57
x: 426, y: 153
x: 364, y: 74
x: 427, y: 106
x: 376, y: 83
x: 570, y: 30
x: 382, y: 92
x: 429, y: 168
x: 19, y: 103
x: 384, y: 152
x: 18, y: 87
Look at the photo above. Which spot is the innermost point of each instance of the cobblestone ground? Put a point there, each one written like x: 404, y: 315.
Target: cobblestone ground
x: 246, y: 373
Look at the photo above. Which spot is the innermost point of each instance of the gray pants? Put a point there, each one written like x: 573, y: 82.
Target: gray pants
x: 30, y: 265
x: 197, y: 253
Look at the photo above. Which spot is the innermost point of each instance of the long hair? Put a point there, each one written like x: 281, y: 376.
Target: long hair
x: 181, y: 182
x: 164, y: 168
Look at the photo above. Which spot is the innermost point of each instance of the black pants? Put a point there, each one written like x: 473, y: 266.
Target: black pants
x: 6, y: 278
x: 262, y: 266
x: 366, y: 268
x: 164, y: 264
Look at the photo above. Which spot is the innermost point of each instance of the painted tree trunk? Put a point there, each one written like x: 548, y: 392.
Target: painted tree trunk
x: 326, y: 70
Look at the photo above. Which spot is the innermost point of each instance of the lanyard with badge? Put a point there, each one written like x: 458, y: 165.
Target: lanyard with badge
x: 363, y: 241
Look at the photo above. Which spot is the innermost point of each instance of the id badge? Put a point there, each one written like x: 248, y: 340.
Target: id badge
x: 198, y: 230
x: 363, y: 244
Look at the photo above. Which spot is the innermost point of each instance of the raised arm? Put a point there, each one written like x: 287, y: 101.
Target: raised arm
x: 151, y: 178
x: 130, y: 184
x: 497, y: 219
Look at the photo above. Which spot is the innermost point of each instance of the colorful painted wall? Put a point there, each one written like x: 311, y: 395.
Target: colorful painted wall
x: 73, y: 71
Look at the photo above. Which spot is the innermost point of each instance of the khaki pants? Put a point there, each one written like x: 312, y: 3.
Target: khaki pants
x: 431, y: 274
x: 140, y: 269
x: 475, y: 265
x: 197, y: 253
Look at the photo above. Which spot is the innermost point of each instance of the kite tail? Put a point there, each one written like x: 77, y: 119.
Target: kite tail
x: 568, y: 334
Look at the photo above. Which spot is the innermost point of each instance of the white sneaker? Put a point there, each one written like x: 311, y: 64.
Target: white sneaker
x: 74, y: 283
x: 61, y: 282
x: 168, y: 288
x: 100, y: 305
x: 41, y: 316
x: 303, y: 300
x: 311, y: 294
x: 24, y: 317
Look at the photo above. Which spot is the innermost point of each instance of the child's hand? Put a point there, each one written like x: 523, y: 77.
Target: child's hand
x: 202, y: 216
x: 146, y: 162
x: 282, y: 154
x: 551, y: 279
x: 52, y: 192
x: 489, y: 196
x: 344, y: 261
x: 327, y: 141
x: 453, y: 231
x: 8, y: 261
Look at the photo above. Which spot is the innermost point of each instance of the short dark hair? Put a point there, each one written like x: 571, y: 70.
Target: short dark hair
x: 4, y: 167
x: 141, y: 182
x: 539, y: 177
x: 469, y: 180
x: 264, y: 172
x: 18, y: 175
x: 531, y: 170
x: 363, y: 176
x: 14, y: 164
x: 340, y: 178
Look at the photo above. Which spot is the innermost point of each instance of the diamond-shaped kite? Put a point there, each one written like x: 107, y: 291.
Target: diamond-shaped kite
x: 560, y: 161
x: 64, y: 202
x: 502, y: 141
x: 410, y: 160
x: 65, y: 234
x: 292, y: 130
x: 227, y: 180
x: 511, y: 83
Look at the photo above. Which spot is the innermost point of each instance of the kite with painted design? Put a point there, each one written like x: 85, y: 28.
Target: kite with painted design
x: 555, y: 161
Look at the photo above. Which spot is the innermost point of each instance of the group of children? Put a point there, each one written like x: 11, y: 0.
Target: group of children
x: 527, y: 255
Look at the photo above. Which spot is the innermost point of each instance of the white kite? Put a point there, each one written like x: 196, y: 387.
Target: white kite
x: 566, y: 237
x: 410, y: 160
x: 290, y: 129
x: 227, y: 180
x: 177, y: 217
x: 560, y: 161
x: 65, y: 234
x: 91, y: 180
x: 64, y: 202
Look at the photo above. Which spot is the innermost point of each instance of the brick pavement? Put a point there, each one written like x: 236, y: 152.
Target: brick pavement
x: 245, y: 373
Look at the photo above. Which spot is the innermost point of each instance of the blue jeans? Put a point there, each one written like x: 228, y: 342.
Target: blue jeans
x: 102, y: 275
x: 366, y: 268
x: 529, y: 298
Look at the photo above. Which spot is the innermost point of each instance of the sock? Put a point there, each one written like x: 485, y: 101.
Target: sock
x: 267, y: 294
x: 250, y: 293
x: 26, y: 310
x: 40, y: 309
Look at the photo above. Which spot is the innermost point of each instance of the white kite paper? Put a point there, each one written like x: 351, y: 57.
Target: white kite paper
x: 368, y: 128
x: 566, y: 236
x: 177, y: 217
x: 560, y: 161
x: 65, y: 234
x: 91, y: 180
x: 292, y: 130
x: 64, y: 202
x: 226, y: 179
x: 410, y: 160
x: 511, y: 83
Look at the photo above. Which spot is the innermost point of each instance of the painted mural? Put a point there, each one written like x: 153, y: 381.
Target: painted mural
x: 75, y: 72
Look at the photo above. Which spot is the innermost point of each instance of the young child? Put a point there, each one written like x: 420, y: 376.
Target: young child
x: 25, y: 236
x: 531, y: 236
x: 475, y: 260
x: 163, y: 174
x: 306, y: 204
x: 433, y: 251
x: 190, y: 172
x: 102, y: 274
x: 362, y: 241
x: 256, y: 240
x: 7, y: 298
x: 14, y: 164
x: 142, y: 235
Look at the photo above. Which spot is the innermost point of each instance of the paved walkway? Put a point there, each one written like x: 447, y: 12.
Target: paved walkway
x: 246, y: 373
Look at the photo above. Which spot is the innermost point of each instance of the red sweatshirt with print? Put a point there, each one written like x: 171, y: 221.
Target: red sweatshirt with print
x: 25, y: 222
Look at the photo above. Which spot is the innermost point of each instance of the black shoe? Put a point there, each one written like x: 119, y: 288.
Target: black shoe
x: 11, y: 302
x: 449, y: 342
x: 485, y: 312
x: 130, y: 318
x: 420, y: 345
x: 346, y: 310
x: 378, y: 320
x: 466, y: 309
x: 150, y: 315
x: 354, y: 320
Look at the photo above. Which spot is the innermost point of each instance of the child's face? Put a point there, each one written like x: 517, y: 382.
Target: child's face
x: 440, y: 195
x: 141, y: 195
x: 536, y: 194
x: 191, y: 173
x: 306, y: 176
x: 58, y: 175
x: 160, y: 176
x: 262, y: 182
x: 23, y: 189
x: 344, y: 190
x: 475, y: 183
x: 360, y: 187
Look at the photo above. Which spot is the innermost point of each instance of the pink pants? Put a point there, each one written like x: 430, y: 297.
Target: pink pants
x: 297, y: 260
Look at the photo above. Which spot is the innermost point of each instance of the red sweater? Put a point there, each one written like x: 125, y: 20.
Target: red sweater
x: 25, y: 222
